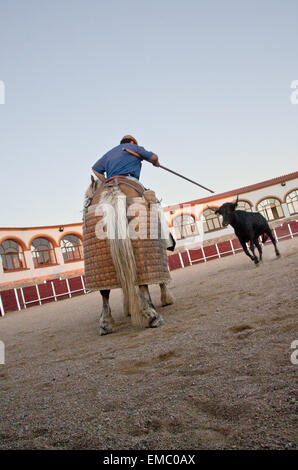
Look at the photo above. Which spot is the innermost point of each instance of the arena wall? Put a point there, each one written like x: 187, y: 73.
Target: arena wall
x: 19, y: 298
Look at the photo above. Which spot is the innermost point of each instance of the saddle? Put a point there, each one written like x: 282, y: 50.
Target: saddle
x: 129, y: 187
x: 120, y: 181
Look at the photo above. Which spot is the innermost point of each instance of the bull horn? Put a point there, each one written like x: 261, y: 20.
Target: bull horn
x: 212, y: 209
x: 236, y: 202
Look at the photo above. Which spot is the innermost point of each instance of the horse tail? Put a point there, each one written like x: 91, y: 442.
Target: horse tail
x: 121, y: 248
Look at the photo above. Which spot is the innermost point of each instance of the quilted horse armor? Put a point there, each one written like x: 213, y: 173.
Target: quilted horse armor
x: 150, y: 253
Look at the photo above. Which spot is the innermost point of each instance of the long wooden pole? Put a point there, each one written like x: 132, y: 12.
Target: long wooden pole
x: 171, y: 171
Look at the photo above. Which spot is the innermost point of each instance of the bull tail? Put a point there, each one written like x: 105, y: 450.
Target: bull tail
x: 264, y: 238
x: 121, y: 248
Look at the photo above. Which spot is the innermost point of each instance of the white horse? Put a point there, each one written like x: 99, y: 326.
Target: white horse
x: 137, y: 305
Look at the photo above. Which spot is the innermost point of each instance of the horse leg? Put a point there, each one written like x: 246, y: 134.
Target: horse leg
x: 106, y: 320
x: 165, y: 295
x: 153, y: 318
x: 126, y: 306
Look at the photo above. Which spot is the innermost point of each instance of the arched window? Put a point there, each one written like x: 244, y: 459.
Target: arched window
x: 292, y: 201
x: 12, y: 256
x: 42, y: 252
x: 71, y: 248
x: 185, y: 226
x: 270, y: 208
x: 243, y: 206
x: 211, y: 221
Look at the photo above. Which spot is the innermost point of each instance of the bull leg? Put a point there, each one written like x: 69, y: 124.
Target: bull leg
x: 165, y: 295
x: 106, y: 320
x: 243, y: 244
x: 269, y: 233
x: 252, y: 249
x: 259, y: 248
x: 153, y: 318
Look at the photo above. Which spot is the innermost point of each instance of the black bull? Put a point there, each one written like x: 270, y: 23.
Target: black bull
x: 248, y: 227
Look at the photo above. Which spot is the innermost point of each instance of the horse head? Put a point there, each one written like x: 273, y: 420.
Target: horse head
x: 90, y: 191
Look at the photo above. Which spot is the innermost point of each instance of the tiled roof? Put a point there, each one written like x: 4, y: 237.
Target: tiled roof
x: 234, y: 192
x: 42, y: 226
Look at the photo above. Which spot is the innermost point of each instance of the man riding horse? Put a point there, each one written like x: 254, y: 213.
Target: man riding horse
x: 113, y: 258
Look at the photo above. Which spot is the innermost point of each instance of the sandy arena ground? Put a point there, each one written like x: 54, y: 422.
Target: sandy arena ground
x: 216, y: 375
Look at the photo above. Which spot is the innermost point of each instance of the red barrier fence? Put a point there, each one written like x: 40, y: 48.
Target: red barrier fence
x: 58, y: 289
x: 39, y: 294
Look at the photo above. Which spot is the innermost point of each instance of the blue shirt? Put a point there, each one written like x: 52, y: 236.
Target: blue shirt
x: 119, y: 162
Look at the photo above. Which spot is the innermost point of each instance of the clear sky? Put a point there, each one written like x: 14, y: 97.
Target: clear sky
x: 204, y: 84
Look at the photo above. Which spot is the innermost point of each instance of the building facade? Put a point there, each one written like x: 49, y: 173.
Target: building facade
x: 36, y: 254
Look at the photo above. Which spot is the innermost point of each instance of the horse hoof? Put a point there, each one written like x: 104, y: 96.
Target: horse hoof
x: 156, y: 322
x: 104, y: 330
